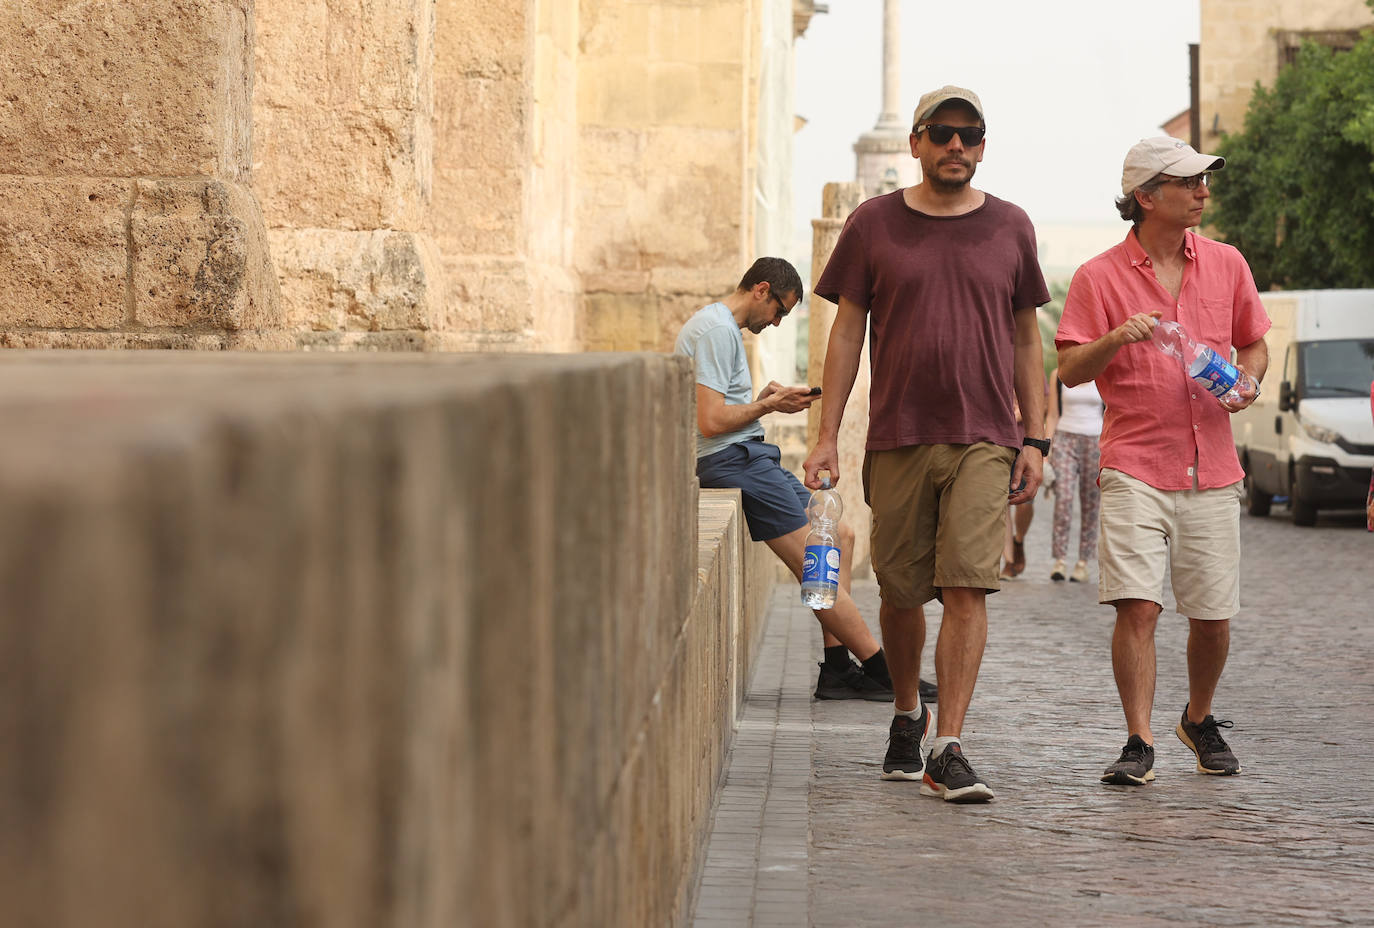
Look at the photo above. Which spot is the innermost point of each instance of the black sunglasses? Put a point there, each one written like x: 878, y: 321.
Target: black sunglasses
x: 782, y: 310
x: 941, y: 134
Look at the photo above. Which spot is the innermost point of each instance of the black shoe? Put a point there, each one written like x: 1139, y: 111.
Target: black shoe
x: 850, y: 683
x: 1204, y: 739
x: 903, y: 760
x: 1135, y: 766
x: 950, y: 777
x: 930, y: 693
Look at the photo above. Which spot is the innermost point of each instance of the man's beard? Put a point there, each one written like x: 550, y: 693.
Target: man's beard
x: 942, y: 185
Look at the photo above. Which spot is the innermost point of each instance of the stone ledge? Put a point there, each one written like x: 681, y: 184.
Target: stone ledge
x: 386, y: 639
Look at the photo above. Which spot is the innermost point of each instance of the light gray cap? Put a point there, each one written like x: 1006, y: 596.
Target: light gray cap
x: 1164, y: 155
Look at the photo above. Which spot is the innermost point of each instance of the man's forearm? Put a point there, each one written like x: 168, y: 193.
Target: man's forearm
x: 728, y: 418
x: 1254, y: 357
x: 1030, y: 374
x: 1081, y: 363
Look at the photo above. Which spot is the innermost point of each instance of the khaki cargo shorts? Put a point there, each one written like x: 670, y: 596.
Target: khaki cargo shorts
x: 939, y: 518
x: 1196, y: 533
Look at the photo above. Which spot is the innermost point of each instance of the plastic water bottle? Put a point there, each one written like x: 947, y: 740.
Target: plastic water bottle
x: 1208, y: 369
x: 820, y: 583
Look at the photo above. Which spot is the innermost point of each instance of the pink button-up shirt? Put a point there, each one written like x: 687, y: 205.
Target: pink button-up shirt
x: 1158, y: 421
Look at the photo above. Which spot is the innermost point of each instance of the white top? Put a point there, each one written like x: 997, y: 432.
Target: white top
x: 1080, y: 410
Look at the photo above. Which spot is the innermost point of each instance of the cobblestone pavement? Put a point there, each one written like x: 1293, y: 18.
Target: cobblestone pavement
x: 1289, y: 841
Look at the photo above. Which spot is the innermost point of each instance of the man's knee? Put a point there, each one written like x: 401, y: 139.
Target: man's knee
x: 1210, y: 628
x: 846, y: 536
x: 1137, y: 615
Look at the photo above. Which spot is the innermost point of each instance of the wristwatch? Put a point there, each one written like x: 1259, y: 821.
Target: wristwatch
x: 1041, y: 443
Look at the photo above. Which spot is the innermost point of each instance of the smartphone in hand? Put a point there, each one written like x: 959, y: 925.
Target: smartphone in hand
x: 814, y: 391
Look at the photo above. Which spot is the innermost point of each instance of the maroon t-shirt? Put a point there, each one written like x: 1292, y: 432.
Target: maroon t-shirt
x: 940, y: 292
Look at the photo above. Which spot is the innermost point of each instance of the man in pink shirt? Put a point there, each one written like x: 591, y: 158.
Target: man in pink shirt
x: 1170, y: 479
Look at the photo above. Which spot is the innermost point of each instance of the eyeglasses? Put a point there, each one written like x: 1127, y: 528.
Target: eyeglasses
x: 782, y: 310
x: 1189, y: 183
x: 941, y: 134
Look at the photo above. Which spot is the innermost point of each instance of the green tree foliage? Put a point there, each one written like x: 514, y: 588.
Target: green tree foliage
x: 1297, y: 195
x: 1048, y: 318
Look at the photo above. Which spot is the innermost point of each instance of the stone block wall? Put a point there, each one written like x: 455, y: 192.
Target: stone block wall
x: 360, y: 640
x: 383, y: 174
x: 665, y: 163
x: 129, y: 219
x: 1240, y: 47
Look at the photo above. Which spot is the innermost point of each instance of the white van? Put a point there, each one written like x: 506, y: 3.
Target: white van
x: 1309, y: 436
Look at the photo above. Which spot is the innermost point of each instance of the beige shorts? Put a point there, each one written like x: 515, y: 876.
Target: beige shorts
x: 1196, y: 533
x: 939, y: 518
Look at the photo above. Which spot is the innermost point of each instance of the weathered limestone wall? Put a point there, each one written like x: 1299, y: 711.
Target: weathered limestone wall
x: 128, y: 215
x: 343, y: 111
x: 386, y: 174
x: 1239, y: 46
x: 360, y: 640
x: 665, y: 172
x: 506, y: 82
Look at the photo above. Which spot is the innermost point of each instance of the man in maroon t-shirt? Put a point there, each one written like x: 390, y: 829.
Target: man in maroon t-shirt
x: 947, y: 277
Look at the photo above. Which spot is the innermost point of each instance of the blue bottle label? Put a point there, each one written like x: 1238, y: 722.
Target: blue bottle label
x: 821, y: 564
x: 1215, y: 375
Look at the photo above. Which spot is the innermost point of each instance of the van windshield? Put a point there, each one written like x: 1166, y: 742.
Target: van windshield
x: 1337, y: 368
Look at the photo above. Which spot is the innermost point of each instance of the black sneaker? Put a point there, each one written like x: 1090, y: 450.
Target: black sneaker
x: 903, y: 760
x: 930, y: 693
x: 1135, y: 766
x: 1204, y: 739
x: 950, y: 777
x: 850, y: 683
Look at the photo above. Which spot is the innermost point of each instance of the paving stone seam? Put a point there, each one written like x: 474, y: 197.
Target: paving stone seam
x: 756, y: 866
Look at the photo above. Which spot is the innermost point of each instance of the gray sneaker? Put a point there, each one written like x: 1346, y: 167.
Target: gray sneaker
x: 1135, y: 766
x: 951, y: 778
x: 904, y: 741
x: 1204, y: 739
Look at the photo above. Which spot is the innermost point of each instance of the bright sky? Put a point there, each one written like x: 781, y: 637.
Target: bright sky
x: 1067, y: 87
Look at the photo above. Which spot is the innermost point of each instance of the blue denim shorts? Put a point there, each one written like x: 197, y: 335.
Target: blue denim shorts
x: 774, y: 499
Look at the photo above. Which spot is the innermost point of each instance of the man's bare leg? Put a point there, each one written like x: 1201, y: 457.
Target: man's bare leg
x: 1208, y: 644
x: 904, y: 638
x: 842, y: 622
x: 1133, y: 662
x: 958, y: 654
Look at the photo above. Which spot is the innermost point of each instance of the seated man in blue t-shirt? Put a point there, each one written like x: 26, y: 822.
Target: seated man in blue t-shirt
x: 731, y: 453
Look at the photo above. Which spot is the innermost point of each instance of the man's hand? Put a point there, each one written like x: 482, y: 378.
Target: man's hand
x: 1138, y: 328
x: 825, y: 456
x: 786, y: 399
x: 1247, y: 394
x: 1030, y: 466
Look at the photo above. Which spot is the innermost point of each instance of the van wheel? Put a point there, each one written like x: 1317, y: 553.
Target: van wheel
x: 1257, y: 502
x: 1304, y: 513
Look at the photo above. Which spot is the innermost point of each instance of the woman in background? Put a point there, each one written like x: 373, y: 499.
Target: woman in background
x: 1075, y: 424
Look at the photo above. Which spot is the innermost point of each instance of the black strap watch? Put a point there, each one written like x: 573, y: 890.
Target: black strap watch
x: 1041, y: 443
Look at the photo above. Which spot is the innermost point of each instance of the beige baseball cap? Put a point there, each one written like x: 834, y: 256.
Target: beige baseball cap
x: 1164, y: 155
x: 931, y: 102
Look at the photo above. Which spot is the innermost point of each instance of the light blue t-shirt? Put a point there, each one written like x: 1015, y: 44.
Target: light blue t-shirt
x: 713, y: 340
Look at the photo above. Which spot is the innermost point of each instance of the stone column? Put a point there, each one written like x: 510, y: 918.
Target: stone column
x: 882, y: 156
x: 125, y: 158
x: 837, y: 202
